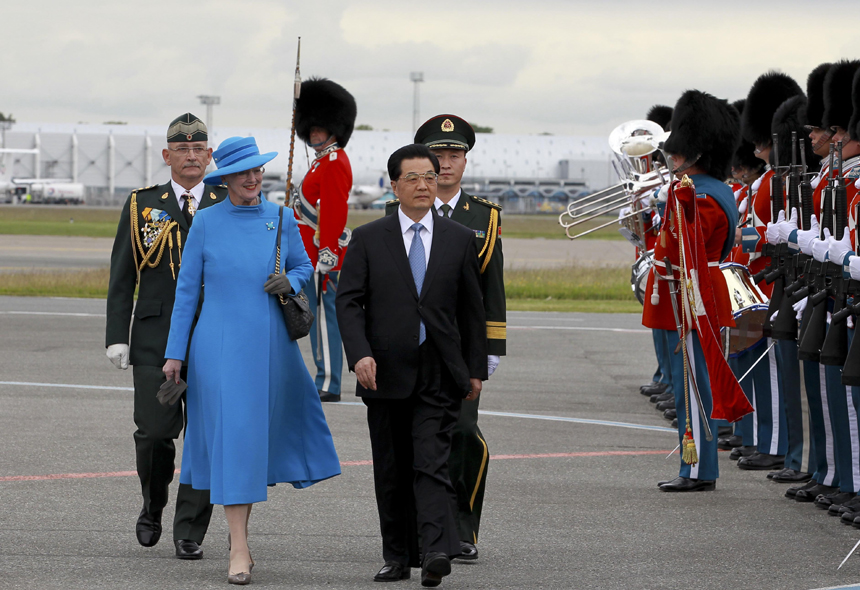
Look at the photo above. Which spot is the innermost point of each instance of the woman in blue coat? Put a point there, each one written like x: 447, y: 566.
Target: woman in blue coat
x: 254, y: 415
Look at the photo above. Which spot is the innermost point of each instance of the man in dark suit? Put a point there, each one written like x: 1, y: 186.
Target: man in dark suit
x: 147, y: 255
x: 412, y: 319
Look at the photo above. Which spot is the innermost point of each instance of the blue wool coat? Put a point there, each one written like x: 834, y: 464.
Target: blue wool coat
x: 254, y: 415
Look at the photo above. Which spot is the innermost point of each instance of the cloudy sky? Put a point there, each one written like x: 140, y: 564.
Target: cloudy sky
x: 563, y: 67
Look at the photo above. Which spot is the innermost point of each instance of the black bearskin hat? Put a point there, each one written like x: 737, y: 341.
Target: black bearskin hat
x: 854, y: 124
x: 837, y: 94
x: 707, y: 128
x: 815, y: 95
x: 660, y: 114
x: 325, y: 104
x: 770, y: 90
x: 791, y: 116
x: 745, y: 154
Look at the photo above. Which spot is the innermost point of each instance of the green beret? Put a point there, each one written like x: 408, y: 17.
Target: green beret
x: 446, y: 131
x: 187, y: 127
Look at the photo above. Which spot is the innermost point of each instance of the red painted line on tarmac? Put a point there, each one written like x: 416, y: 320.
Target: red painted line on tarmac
x: 54, y: 476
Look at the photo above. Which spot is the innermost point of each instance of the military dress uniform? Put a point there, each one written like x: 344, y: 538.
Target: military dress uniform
x: 321, y: 210
x: 147, y: 255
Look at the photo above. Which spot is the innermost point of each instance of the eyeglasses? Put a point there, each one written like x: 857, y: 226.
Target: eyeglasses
x: 257, y: 172
x: 183, y: 151
x: 412, y: 178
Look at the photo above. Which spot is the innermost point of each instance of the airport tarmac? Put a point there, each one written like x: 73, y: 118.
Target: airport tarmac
x: 571, y: 499
x: 21, y: 253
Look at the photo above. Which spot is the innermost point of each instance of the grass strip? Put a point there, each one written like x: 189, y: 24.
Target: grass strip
x: 81, y: 283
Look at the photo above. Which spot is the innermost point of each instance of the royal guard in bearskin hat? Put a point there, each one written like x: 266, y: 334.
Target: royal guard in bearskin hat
x: 697, y: 233
x: 325, y: 118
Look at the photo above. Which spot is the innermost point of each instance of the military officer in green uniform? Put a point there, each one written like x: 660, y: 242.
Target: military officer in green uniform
x: 450, y: 138
x: 147, y: 256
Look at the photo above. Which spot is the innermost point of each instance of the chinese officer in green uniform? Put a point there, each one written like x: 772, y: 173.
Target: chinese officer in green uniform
x: 450, y: 138
x: 147, y: 256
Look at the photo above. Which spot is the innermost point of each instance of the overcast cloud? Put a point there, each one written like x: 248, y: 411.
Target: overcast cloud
x: 567, y: 68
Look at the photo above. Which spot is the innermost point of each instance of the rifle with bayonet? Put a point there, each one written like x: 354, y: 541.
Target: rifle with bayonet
x: 813, y: 326
x: 774, y: 272
x: 851, y: 369
x: 785, y: 325
x: 835, y: 348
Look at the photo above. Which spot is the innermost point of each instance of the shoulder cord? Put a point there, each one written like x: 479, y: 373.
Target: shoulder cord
x: 490, y: 243
x: 164, y: 239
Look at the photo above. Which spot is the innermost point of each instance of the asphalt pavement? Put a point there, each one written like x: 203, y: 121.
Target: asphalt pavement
x: 571, y: 500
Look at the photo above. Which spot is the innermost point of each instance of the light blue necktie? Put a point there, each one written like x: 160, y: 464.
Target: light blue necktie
x: 419, y: 266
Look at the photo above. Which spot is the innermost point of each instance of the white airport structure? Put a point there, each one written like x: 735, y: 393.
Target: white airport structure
x: 526, y: 173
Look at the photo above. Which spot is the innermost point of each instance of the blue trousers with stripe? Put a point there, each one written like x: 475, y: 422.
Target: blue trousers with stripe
x: 789, y: 373
x: 327, y: 348
x: 708, y: 467
x: 822, y: 462
x: 746, y: 426
x: 771, y: 432
x: 663, y: 374
x: 843, y: 422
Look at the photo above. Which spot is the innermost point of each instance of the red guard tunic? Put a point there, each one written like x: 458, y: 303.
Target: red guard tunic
x: 326, y: 188
x: 714, y: 227
x: 851, y: 173
x: 738, y: 255
x: 753, y: 238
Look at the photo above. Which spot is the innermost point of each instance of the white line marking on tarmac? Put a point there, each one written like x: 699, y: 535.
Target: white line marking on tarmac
x: 484, y: 412
x: 586, y: 328
x: 54, y: 313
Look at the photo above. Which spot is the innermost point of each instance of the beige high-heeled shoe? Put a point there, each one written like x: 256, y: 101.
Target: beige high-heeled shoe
x: 242, y: 578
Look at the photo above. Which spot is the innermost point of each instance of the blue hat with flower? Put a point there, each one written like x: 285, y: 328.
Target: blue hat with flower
x: 236, y: 154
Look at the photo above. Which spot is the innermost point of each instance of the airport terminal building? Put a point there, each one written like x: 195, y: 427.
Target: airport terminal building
x: 526, y: 173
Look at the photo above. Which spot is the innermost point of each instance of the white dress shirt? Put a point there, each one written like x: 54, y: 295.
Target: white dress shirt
x: 453, y: 203
x: 426, y: 232
x: 196, y: 192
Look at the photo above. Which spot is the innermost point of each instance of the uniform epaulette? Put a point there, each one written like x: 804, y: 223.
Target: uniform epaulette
x: 392, y: 202
x: 495, y: 206
x: 146, y: 188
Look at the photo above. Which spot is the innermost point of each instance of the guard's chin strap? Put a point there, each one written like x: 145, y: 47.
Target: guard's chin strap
x: 687, y: 165
x: 323, y: 142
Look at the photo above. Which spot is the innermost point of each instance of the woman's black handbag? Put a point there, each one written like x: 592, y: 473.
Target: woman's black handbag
x: 296, y: 308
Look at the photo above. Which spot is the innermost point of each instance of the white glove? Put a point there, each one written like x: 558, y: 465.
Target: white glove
x: 821, y: 247
x: 625, y: 211
x: 805, y: 238
x: 772, y: 232
x: 799, y: 307
x: 118, y: 355
x: 323, y: 268
x: 663, y: 193
x: 850, y: 321
x: 854, y: 267
x: 839, y: 248
x: 742, y: 208
x: 492, y: 364
x: 786, y: 227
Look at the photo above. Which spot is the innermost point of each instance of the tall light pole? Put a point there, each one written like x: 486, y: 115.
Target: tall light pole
x: 209, y: 100
x: 4, y: 125
x: 417, y: 78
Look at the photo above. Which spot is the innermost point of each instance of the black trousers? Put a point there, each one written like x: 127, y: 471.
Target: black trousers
x: 157, y: 427
x: 411, y: 441
x: 467, y: 467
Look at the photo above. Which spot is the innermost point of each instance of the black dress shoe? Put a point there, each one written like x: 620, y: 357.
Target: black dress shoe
x: 661, y: 397
x: 436, y: 566
x: 685, y: 484
x: 761, y: 462
x: 727, y: 443
x: 825, y: 501
x: 187, y: 549
x: 852, y: 505
x: 647, y: 385
x: 669, y: 404
x: 792, y: 491
x: 329, y: 397
x: 857, y: 522
x: 671, y: 414
x: 392, y: 571
x: 741, y: 452
x: 809, y: 494
x: 148, y: 528
x: 725, y: 430
x: 675, y: 423
x: 468, y: 551
x: 652, y: 389
x: 789, y: 475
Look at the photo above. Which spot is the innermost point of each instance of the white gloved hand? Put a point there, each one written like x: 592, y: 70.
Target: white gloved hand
x: 663, y: 193
x: 786, y: 227
x: 839, y: 248
x: 854, y: 267
x: 118, y: 355
x: 772, y: 232
x: 805, y: 238
x: 742, y: 208
x: 799, y: 307
x: 850, y: 321
x: 625, y: 211
x: 492, y: 364
x: 821, y: 247
x: 323, y: 268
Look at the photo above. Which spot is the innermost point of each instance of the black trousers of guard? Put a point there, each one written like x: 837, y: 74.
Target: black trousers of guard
x: 157, y: 427
x: 411, y: 441
x: 467, y: 467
